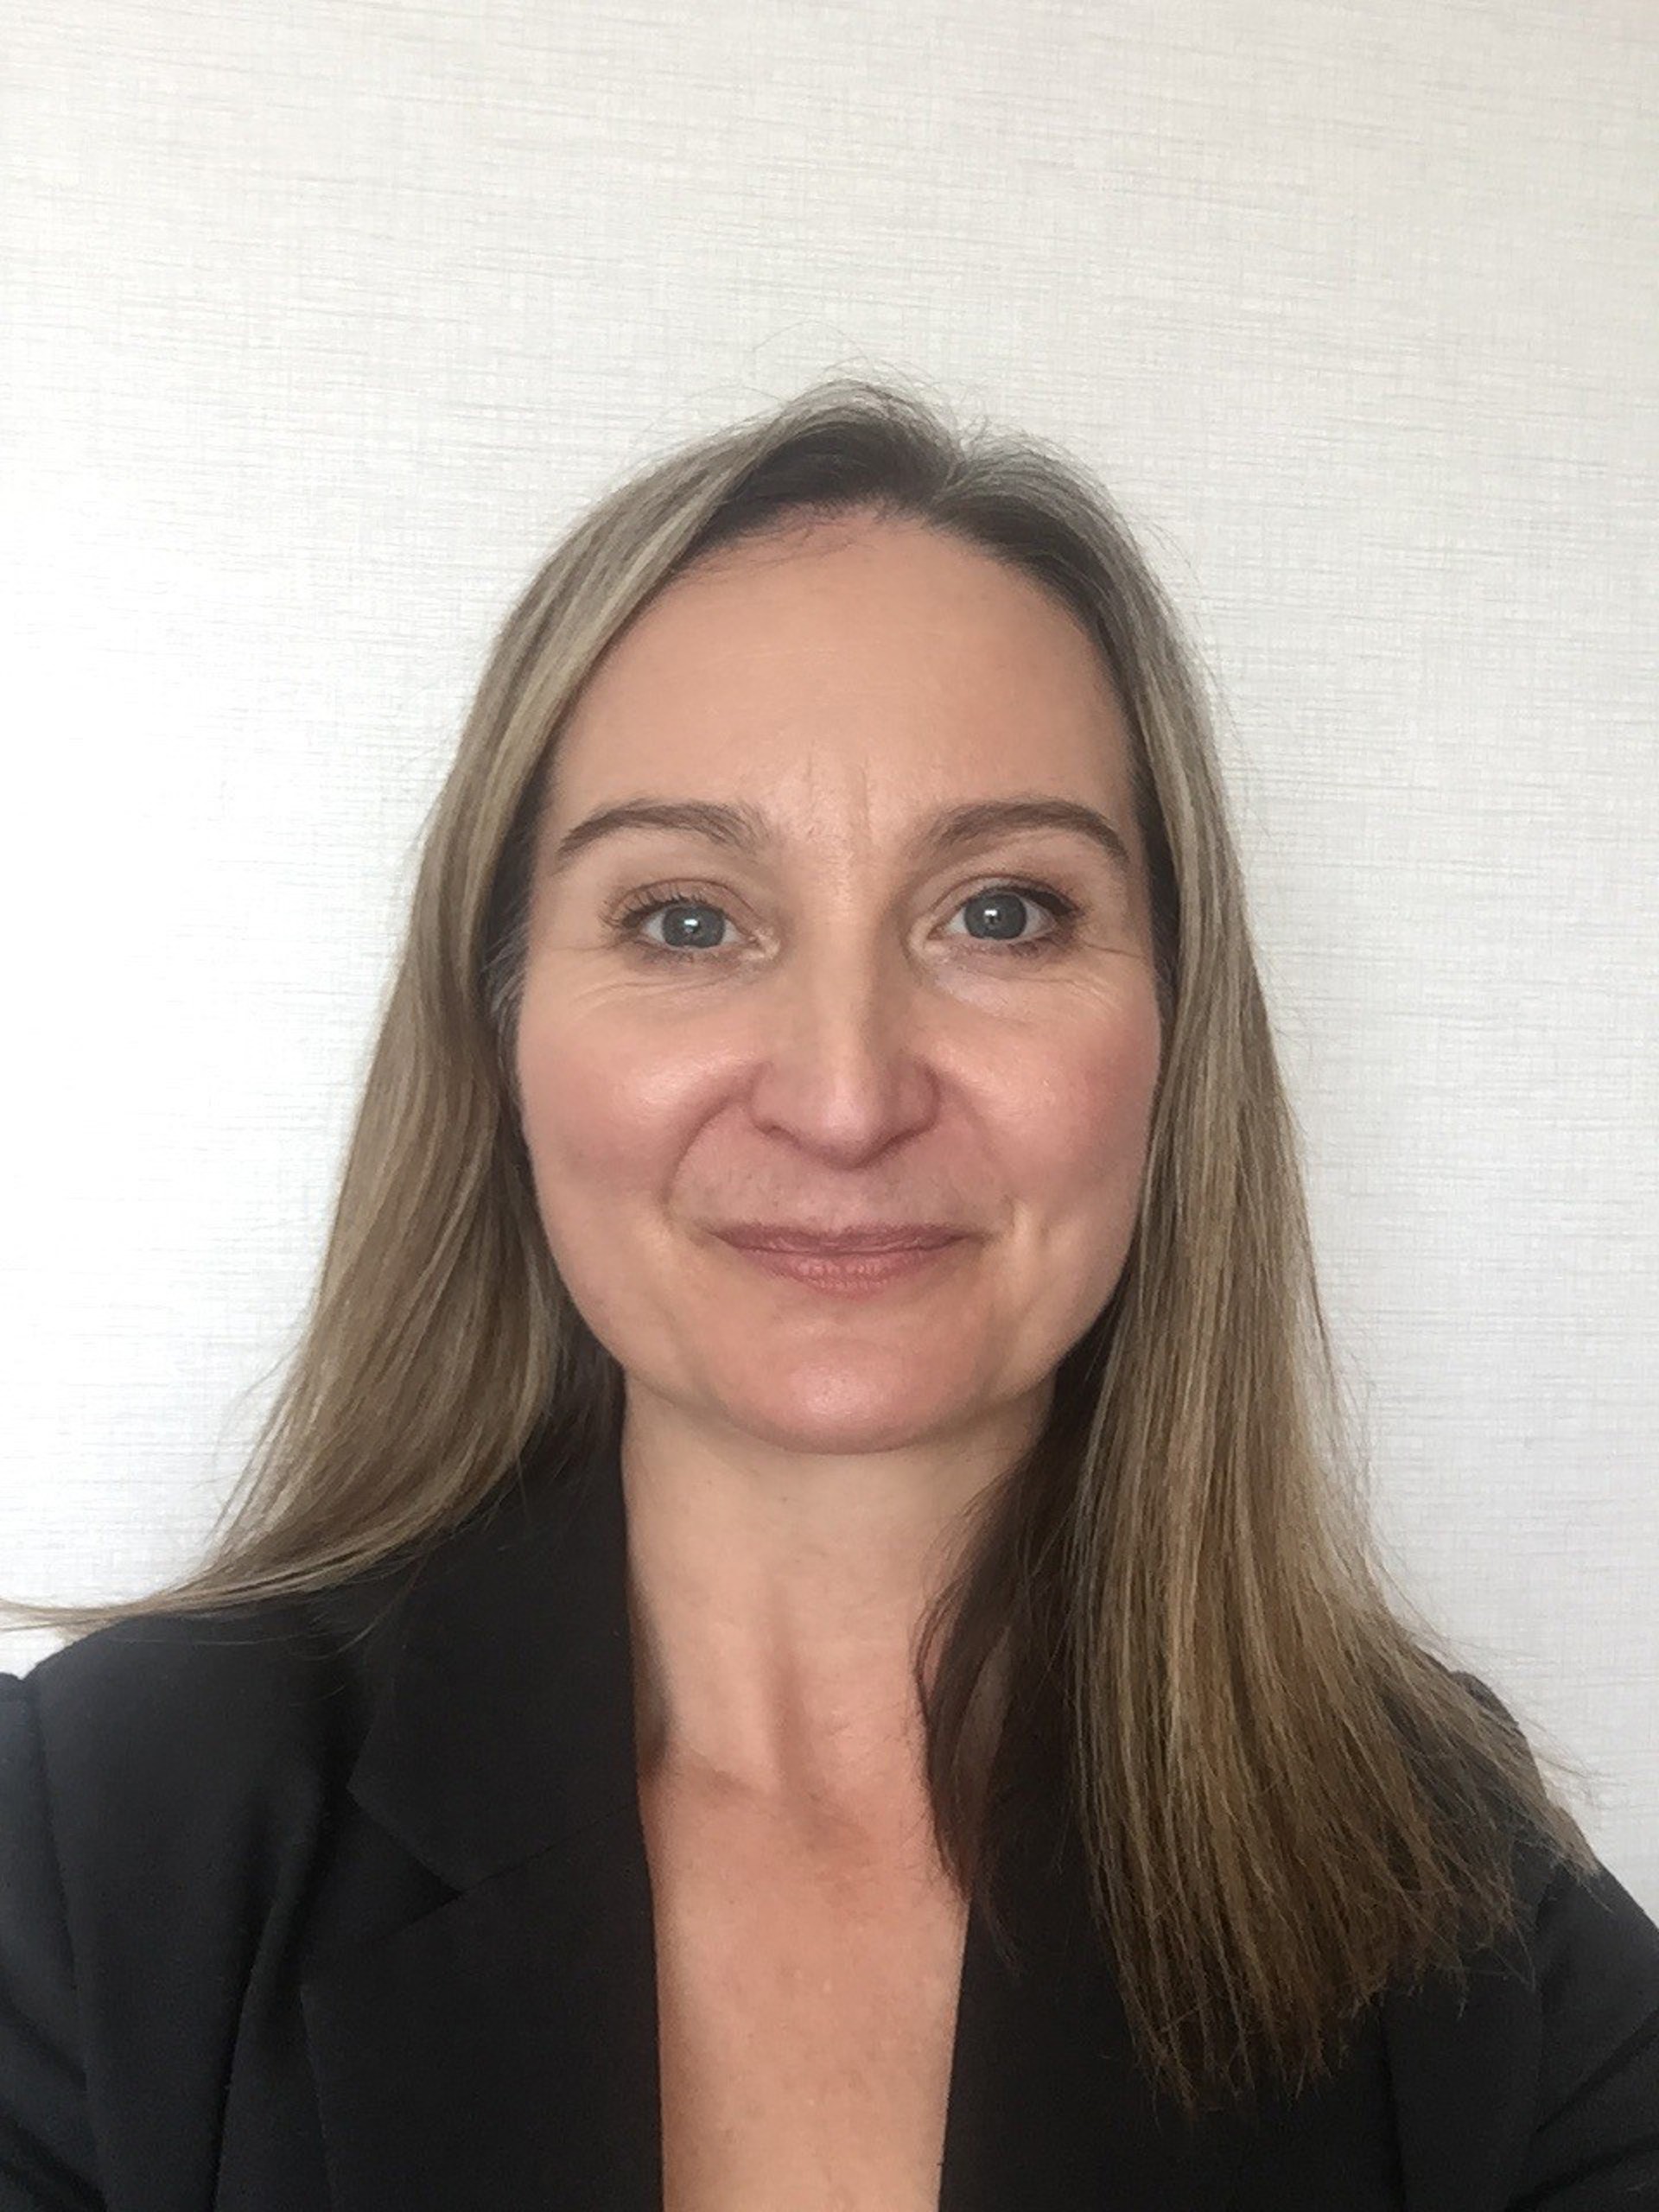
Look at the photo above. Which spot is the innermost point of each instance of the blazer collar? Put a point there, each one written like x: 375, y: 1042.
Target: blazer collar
x: 502, y: 2049
x: 506, y: 1722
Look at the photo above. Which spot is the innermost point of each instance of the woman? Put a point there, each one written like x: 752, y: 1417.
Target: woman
x: 800, y: 1635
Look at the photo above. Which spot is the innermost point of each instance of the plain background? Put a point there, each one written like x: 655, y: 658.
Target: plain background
x: 323, y: 321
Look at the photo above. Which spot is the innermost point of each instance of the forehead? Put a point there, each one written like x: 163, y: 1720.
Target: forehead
x: 878, y: 664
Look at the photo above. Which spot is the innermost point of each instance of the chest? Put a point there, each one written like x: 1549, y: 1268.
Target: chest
x: 807, y: 1998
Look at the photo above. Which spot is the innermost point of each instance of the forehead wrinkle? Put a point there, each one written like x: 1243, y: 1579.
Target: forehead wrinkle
x: 742, y: 826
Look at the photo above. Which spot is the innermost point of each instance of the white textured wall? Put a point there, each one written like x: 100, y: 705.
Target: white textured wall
x: 323, y: 319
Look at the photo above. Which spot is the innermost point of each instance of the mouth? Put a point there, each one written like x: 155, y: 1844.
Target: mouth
x: 896, y: 1237
x: 828, y: 1266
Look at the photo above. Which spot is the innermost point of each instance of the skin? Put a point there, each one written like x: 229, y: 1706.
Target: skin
x: 797, y: 1465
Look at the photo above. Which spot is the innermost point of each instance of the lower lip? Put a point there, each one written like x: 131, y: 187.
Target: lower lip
x: 849, y: 1272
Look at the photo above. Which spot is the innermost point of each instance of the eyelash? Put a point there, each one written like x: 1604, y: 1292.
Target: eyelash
x: 625, y: 924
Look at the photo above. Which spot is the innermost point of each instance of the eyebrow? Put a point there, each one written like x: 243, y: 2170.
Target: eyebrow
x: 745, y: 828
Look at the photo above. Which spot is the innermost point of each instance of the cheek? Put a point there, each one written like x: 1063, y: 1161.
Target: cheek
x: 1083, y: 1108
x: 604, y: 1107
x: 577, y: 1121
x: 588, y: 1134
x: 1075, y: 1133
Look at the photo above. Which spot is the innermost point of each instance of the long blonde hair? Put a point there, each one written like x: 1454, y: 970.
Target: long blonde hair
x: 1287, y: 1799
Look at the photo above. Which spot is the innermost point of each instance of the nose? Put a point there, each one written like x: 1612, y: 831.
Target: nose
x: 841, y: 1061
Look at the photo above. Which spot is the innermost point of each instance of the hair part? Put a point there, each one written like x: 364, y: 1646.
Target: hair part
x: 1287, y: 1799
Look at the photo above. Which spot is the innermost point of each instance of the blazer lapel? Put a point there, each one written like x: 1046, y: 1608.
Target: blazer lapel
x: 1049, y: 2110
x: 501, y: 2051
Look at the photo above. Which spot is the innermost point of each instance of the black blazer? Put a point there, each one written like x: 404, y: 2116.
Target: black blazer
x: 343, y: 1905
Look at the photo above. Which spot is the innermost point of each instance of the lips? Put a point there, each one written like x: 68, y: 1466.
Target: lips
x: 841, y: 1242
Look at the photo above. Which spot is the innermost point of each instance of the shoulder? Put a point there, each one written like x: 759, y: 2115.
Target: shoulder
x: 161, y: 1780
x: 1589, y: 1952
x: 129, y: 1733
x: 1593, y: 1978
x: 1545, y: 2065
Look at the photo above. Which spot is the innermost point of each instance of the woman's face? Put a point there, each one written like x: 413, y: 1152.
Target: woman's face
x: 839, y: 1027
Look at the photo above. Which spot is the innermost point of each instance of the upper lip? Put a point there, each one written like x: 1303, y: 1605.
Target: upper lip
x: 877, y: 1237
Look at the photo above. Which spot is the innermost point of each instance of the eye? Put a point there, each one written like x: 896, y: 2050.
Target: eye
x: 1006, y: 905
